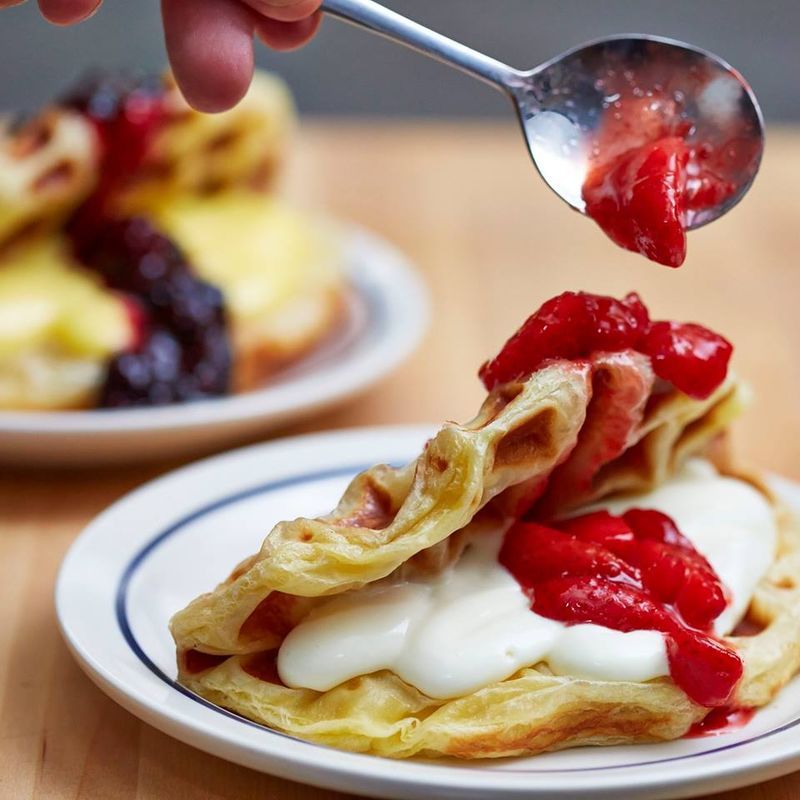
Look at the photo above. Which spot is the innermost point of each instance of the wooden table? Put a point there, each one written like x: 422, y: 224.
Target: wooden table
x: 463, y: 201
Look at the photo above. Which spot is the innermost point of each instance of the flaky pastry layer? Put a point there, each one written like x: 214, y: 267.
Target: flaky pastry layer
x: 416, y: 518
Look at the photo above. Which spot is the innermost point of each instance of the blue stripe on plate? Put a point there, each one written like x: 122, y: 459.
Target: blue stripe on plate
x: 284, y: 483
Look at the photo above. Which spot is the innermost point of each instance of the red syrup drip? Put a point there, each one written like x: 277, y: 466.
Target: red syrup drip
x: 635, y: 572
x: 653, y: 172
x: 575, y: 325
x: 721, y: 720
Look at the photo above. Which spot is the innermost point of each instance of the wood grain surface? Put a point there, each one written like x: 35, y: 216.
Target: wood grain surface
x: 492, y: 242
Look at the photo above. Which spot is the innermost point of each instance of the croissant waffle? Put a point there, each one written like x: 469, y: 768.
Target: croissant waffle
x: 417, y: 517
x: 388, y: 515
x: 196, y: 153
x: 206, y: 182
x: 48, y: 165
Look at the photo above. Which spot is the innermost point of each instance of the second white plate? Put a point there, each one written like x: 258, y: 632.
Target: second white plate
x: 390, y: 315
x: 152, y: 552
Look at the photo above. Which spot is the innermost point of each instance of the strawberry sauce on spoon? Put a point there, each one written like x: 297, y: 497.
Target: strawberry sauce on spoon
x: 668, y: 153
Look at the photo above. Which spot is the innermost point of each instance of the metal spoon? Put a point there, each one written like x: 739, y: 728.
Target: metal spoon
x: 563, y: 103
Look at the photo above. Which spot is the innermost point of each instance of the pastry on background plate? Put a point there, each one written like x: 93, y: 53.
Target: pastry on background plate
x: 574, y: 566
x: 144, y: 257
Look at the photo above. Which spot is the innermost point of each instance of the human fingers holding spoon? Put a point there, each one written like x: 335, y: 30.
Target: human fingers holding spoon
x: 650, y: 137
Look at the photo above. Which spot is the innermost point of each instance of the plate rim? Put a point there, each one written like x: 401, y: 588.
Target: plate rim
x: 281, y: 754
x: 397, y: 290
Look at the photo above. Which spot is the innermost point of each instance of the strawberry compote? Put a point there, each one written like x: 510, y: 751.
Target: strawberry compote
x: 634, y: 572
x: 652, y: 171
x: 575, y: 325
x: 721, y: 720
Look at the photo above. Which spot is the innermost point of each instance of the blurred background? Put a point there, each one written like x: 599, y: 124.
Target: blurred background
x: 432, y: 161
x: 759, y: 38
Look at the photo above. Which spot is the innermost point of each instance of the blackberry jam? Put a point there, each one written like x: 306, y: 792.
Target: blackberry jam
x: 184, y: 353
x: 126, y: 112
x: 183, y: 350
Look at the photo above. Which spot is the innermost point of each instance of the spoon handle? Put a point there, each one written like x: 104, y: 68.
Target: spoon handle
x: 380, y: 20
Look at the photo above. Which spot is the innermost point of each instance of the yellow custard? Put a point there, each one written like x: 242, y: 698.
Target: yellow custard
x: 259, y: 252
x: 49, y: 303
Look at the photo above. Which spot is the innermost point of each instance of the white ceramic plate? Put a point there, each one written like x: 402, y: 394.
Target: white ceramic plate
x: 389, y: 314
x: 153, y: 551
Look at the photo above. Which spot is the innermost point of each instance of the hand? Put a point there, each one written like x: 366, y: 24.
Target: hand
x: 210, y: 42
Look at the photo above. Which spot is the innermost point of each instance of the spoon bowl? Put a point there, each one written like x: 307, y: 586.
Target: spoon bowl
x: 564, y: 104
x: 572, y: 108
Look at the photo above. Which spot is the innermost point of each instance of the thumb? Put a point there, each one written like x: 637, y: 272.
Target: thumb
x: 285, y: 10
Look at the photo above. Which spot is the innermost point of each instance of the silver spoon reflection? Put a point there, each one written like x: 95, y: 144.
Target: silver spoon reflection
x: 565, y: 104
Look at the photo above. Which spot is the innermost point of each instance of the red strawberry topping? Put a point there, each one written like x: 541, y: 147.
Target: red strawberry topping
x: 639, y: 200
x: 576, y: 325
x: 572, y: 325
x: 655, y: 168
x: 635, y: 572
x: 693, y: 358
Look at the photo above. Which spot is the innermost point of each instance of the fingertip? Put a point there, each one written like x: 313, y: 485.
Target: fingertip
x: 286, y: 10
x: 67, y: 12
x: 210, y: 47
x: 285, y: 36
x: 210, y: 84
x: 209, y: 90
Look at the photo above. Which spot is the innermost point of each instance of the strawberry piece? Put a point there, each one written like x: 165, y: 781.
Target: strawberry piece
x: 598, y: 526
x: 578, y: 325
x: 663, y: 569
x: 556, y: 330
x: 701, y: 598
x: 629, y: 573
x: 705, y: 669
x: 614, y: 325
x: 708, y: 182
x: 600, y: 602
x: 657, y: 166
x: 673, y: 570
x: 638, y: 200
x: 606, y: 529
x: 693, y: 358
x: 573, y: 325
x: 653, y: 525
x: 536, y: 553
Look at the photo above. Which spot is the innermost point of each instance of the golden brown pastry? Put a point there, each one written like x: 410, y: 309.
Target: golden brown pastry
x: 170, y: 216
x: 442, y: 581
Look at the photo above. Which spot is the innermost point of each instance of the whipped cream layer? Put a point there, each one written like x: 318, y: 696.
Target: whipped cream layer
x: 471, y: 625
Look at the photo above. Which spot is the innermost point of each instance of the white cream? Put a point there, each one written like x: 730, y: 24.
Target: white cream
x: 448, y: 636
x: 472, y: 626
